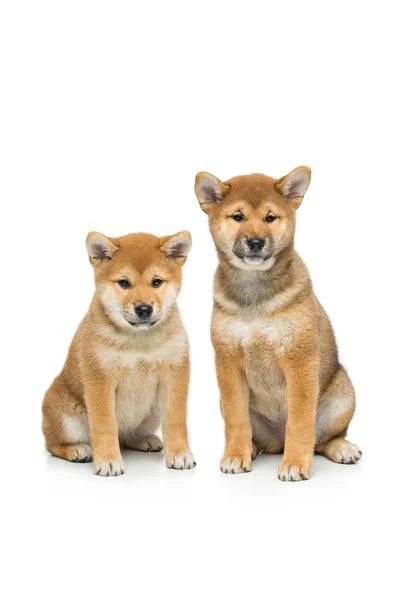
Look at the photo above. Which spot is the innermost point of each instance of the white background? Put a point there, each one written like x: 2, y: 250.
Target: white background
x: 108, y: 110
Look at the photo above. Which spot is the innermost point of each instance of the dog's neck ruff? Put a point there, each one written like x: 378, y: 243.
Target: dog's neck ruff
x: 246, y: 289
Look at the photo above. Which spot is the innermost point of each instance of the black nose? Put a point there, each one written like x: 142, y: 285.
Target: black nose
x: 144, y: 311
x: 256, y: 244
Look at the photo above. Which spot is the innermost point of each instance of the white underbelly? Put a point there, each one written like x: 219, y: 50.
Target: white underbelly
x: 136, y: 398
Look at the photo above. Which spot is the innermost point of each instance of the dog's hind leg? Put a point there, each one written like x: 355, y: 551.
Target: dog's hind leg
x: 65, y: 425
x: 334, y: 413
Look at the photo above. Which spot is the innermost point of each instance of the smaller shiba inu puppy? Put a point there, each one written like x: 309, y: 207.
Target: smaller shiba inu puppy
x: 282, y: 386
x: 128, y: 365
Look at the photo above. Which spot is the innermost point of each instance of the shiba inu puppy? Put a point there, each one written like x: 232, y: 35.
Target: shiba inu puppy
x: 128, y: 365
x: 282, y: 386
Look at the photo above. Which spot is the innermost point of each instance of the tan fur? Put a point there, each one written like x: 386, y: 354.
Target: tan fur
x: 123, y: 377
x: 282, y: 387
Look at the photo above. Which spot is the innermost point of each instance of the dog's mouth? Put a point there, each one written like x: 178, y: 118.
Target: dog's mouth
x: 253, y: 259
x: 142, y: 324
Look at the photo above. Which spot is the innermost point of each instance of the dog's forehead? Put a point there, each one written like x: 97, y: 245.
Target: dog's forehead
x: 139, y: 251
x: 254, y: 189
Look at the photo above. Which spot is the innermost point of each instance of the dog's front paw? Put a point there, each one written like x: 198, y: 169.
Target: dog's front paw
x: 231, y: 463
x: 293, y: 470
x: 109, y: 468
x: 184, y: 460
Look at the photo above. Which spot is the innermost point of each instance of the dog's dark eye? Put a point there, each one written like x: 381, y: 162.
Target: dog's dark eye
x: 124, y: 283
x: 156, y: 282
x: 238, y: 217
x: 270, y: 218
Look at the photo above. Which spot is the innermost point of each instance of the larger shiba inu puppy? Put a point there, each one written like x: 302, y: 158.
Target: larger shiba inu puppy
x: 282, y: 386
x: 128, y: 364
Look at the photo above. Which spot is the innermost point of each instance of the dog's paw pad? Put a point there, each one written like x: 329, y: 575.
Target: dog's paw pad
x: 235, y: 464
x: 184, y: 460
x: 109, y: 468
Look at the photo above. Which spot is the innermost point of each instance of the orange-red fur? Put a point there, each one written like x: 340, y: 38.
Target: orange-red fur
x: 282, y: 386
x: 121, y: 379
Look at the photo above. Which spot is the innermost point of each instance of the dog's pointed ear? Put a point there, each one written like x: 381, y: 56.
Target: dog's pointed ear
x: 294, y: 185
x: 100, y: 248
x: 209, y: 190
x: 176, y: 247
